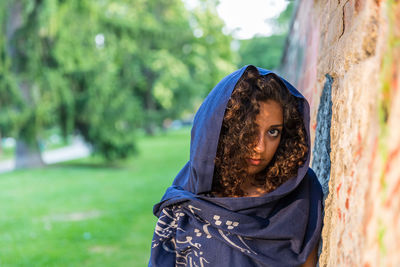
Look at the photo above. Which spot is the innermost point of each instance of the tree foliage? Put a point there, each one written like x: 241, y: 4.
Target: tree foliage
x: 265, y: 52
x: 105, y: 68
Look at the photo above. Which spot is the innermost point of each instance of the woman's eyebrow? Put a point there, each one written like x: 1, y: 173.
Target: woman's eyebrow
x: 277, y: 125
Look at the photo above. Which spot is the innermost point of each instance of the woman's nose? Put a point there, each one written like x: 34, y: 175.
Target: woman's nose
x: 260, y: 145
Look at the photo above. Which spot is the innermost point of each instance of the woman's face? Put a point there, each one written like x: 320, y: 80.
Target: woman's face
x: 270, y: 125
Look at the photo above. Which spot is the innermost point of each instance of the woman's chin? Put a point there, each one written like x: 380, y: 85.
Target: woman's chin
x: 254, y: 169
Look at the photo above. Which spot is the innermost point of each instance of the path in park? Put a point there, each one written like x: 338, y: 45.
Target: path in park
x: 75, y: 151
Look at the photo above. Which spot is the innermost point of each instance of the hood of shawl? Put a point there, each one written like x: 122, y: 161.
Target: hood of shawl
x: 197, y: 175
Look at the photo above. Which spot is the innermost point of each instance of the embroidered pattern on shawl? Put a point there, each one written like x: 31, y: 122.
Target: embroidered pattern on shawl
x: 188, y: 251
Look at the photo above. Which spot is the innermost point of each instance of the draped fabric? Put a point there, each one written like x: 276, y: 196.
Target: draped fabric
x: 280, y: 228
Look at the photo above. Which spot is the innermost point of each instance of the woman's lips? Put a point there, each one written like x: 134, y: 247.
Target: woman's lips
x: 254, y: 161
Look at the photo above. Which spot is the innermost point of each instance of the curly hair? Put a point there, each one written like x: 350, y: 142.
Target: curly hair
x: 239, y: 131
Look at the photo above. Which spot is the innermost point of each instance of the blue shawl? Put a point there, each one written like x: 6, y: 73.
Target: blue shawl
x: 280, y: 228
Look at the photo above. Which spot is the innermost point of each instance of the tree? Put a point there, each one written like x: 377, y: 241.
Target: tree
x: 265, y: 52
x: 169, y: 66
x: 104, y: 68
x: 22, y: 90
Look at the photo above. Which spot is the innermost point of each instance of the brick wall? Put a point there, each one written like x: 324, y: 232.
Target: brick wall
x: 345, y: 58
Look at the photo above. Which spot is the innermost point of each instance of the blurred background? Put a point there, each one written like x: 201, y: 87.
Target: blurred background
x: 96, y: 104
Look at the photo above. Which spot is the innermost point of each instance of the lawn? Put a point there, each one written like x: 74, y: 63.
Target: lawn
x: 87, y: 213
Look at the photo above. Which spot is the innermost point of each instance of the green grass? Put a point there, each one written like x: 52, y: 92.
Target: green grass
x: 87, y: 213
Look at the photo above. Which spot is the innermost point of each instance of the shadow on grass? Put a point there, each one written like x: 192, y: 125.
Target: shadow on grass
x: 91, y: 163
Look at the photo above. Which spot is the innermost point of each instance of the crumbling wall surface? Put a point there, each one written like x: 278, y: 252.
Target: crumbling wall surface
x: 352, y: 49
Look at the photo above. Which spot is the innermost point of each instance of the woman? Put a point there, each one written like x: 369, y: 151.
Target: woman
x: 246, y: 197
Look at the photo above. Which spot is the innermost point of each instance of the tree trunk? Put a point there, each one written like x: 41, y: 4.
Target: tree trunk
x: 27, y: 153
x: 1, y: 146
x: 27, y: 156
x: 150, y: 125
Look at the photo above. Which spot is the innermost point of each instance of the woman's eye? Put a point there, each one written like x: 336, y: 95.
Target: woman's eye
x: 274, y: 132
